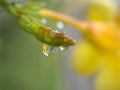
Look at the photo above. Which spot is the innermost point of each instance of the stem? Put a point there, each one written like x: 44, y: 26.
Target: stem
x: 8, y: 7
x: 66, y: 19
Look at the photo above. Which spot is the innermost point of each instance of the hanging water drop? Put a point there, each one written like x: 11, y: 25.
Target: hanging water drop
x: 44, y: 49
x: 44, y: 20
x: 60, y: 25
x: 62, y: 48
x: 47, y: 50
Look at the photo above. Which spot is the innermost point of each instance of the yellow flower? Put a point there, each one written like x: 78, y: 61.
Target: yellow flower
x: 100, y: 52
x: 100, y: 9
x: 85, y: 58
x: 109, y: 76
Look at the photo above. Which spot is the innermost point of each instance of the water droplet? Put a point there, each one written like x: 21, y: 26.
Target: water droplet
x: 44, y: 49
x: 47, y: 50
x: 56, y: 31
x: 62, y: 48
x: 44, y: 20
x: 60, y: 25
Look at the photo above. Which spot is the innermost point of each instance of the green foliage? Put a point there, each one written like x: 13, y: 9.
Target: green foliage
x: 22, y: 64
x: 28, y: 17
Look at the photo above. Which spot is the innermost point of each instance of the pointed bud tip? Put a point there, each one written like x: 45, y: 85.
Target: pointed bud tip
x: 72, y: 42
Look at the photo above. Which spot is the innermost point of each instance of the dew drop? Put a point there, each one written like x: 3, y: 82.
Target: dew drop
x: 62, y: 48
x: 47, y: 50
x: 56, y: 31
x: 60, y: 25
x: 44, y: 49
x: 44, y: 20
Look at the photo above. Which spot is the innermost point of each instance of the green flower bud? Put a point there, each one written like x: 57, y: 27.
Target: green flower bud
x: 43, y: 33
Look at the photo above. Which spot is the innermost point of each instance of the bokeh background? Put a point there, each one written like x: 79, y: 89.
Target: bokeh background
x: 23, y: 66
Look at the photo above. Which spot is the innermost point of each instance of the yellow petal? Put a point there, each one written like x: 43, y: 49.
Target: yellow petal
x: 117, y: 19
x: 104, y: 35
x: 85, y: 58
x: 103, y: 10
x: 109, y: 77
x: 108, y: 80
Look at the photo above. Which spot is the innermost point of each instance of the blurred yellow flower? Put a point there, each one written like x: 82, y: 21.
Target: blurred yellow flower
x: 100, y: 51
x: 100, y: 10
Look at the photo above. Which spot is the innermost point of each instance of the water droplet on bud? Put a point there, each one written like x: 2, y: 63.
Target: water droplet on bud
x: 47, y: 50
x: 56, y: 31
x: 62, y: 48
x: 60, y: 25
x: 44, y: 20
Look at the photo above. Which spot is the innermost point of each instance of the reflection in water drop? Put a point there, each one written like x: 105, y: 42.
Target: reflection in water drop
x: 63, y: 48
x: 60, y: 25
x: 44, y: 20
x: 44, y: 49
x: 47, y: 50
x: 56, y: 31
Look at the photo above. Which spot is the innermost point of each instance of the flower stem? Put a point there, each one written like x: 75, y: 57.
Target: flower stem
x: 65, y: 19
x: 8, y: 7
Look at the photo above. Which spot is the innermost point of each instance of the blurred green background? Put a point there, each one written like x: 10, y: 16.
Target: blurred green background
x: 22, y: 63
x: 23, y: 66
